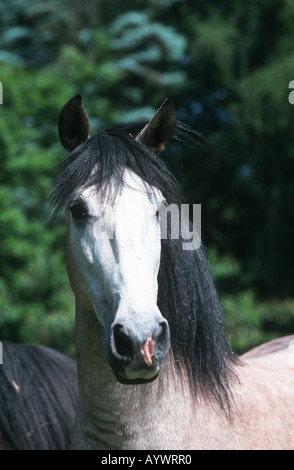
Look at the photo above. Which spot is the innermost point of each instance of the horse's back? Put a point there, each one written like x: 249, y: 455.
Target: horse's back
x: 38, y: 397
x: 284, y: 344
x: 266, y: 394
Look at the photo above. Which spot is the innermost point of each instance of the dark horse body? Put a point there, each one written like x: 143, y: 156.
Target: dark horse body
x: 38, y: 398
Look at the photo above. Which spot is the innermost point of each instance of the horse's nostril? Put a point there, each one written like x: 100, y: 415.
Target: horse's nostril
x: 127, y: 347
x: 163, y: 327
x: 122, y: 343
x: 163, y: 339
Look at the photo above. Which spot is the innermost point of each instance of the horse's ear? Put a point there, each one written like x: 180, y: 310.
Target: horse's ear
x: 73, y: 123
x: 160, y: 128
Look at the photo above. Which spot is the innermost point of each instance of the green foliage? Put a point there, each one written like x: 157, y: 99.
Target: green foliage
x: 215, y: 51
x: 33, y: 282
x: 241, y: 103
x: 36, y: 302
x: 227, y: 66
x: 250, y: 320
x: 146, y: 53
x: 155, y: 45
x: 31, y: 31
x: 266, y: 89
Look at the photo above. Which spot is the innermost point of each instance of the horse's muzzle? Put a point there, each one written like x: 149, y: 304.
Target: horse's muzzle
x: 134, y: 360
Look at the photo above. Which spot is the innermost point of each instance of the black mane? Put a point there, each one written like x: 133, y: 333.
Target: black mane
x: 112, y: 151
x: 186, y: 294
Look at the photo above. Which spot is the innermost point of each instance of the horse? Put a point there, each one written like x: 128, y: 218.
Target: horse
x: 38, y: 398
x: 155, y: 366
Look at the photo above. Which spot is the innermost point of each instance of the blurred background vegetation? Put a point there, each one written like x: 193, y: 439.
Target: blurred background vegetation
x: 227, y: 66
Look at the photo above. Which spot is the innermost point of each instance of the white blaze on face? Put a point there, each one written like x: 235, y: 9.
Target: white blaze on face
x: 115, y: 251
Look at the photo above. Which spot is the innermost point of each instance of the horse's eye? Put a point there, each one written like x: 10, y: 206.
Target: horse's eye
x: 78, y: 210
x: 157, y: 214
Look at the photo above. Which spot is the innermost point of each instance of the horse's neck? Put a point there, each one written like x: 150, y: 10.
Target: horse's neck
x: 93, y: 381
x: 111, y: 415
x: 162, y: 414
